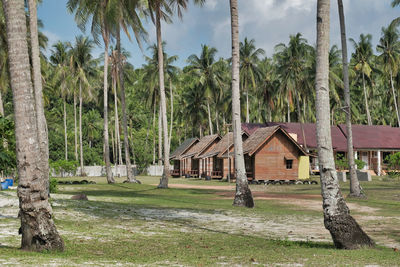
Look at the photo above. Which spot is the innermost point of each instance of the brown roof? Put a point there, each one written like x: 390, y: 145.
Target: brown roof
x: 339, y: 141
x: 205, y: 142
x: 261, y: 135
x: 221, y: 146
x: 374, y: 137
x: 187, y: 144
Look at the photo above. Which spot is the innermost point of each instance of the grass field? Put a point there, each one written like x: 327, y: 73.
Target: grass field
x: 195, y: 224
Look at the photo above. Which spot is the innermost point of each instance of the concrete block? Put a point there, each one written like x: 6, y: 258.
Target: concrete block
x: 364, y: 176
x: 342, y: 176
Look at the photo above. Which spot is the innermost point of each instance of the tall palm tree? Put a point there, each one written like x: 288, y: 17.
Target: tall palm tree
x: 127, y: 15
x: 362, y: 60
x: 4, y: 77
x: 209, y: 79
x: 84, y: 66
x: 162, y: 10
x: 60, y: 57
x: 38, y: 88
x: 389, y: 47
x: 345, y: 231
x: 102, y: 14
x: 250, y: 73
x: 355, y: 189
x: 243, y: 196
x: 35, y: 211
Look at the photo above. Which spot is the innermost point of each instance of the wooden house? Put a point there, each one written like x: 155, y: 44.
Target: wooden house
x: 193, y: 164
x: 176, y: 156
x: 271, y: 153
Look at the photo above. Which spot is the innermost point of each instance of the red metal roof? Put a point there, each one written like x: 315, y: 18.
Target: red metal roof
x: 374, y: 137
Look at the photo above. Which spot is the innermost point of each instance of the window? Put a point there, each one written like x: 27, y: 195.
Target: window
x: 289, y: 164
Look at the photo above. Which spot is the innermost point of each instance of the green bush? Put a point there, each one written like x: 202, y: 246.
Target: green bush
x: 64, y: 166
x: 342, y: 163
x: 53, y: 185
x: 360, y: 164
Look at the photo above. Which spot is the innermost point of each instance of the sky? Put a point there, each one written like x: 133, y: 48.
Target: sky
x: 269, y: 22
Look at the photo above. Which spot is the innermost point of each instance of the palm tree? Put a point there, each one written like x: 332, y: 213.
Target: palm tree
x: 38, y: 89
x: 60, y: 58
x: 389, y: 47
x: 4, y: 80
x: 362, y: 61
x: 355, y: 189
x: 35, y: 210
x: 267, y: 89
x: 250, y: 74
x: 243, y: 196
x: 162, y: 10
x: 345, y: 231
x: 209, y: 79
x: 84, y: 67
x: 102, y: 15
x: 127, y: 16
x: 395, y: 3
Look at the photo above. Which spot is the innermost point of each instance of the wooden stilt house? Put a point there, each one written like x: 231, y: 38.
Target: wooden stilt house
x: 272, y: 154
x: 176, y: 156
x: 194, y: 165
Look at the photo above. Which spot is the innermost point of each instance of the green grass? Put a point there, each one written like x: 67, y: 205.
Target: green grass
x: 112, y: 227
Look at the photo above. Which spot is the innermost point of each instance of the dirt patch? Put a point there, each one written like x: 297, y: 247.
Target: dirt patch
x: 207, y: 187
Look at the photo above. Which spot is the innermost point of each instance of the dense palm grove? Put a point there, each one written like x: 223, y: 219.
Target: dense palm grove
x: 279, y: 87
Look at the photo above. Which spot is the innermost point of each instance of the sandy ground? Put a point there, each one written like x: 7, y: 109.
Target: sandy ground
x: 292, y: 227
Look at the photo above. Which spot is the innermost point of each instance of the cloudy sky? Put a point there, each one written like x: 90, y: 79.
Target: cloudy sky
x: 269, y: 22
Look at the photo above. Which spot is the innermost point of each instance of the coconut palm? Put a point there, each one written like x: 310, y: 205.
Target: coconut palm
x: 207, y: 75
x: 4, y: 80
x: 345, y: 231
x: 389, y: 47
x: 250, y: 73
x: 362, y: 64
x: 355, y: 189
x: 243, y: 196
x: 35, y: 210
x: 162, y: 10
x: 60, y: 58
x: 84, y: 67
x: 102, y: 14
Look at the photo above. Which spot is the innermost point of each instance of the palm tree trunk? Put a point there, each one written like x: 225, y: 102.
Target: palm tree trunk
x: 75, y: 129
x: 37, y: 226
x: 1, y: 105
x: 110, y: 178
x: 355, y: 189
x: 80, y: 129
x: 129, y: 174
x: 209, y: 117
x: 217, y: 119
x: 345, y: 231
x: 394, y: 98
x: 37, y: 85
x: 366, y: 101
x: 166, y: 174
x: 154, y: 133
x: 243, y: 196
x: 247, y: 107
x: 65, y: 129
x: 288, y: 110
x: 172, y: 111
x: 113, y: 148
x: 116, y: 123
x: 159, y: 136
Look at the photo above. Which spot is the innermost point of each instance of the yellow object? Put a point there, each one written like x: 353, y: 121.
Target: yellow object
x: 304, y: 167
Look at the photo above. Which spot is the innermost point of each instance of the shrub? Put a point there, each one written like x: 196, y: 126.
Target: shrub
x: 360, y: 164
x: 64, y: 166
x: 53, y: 185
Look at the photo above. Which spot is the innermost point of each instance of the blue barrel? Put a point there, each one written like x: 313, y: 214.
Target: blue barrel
x: 10, y: 182
x: 4, y: 185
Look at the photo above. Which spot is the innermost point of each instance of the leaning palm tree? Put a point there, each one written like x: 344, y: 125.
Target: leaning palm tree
x: 37, y: 226
x: 102, y: 14
x: 243, y: 196
x: 250, y: 73
x: 345, y: 231
x: 162, y: 10
x: 355, y: 189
